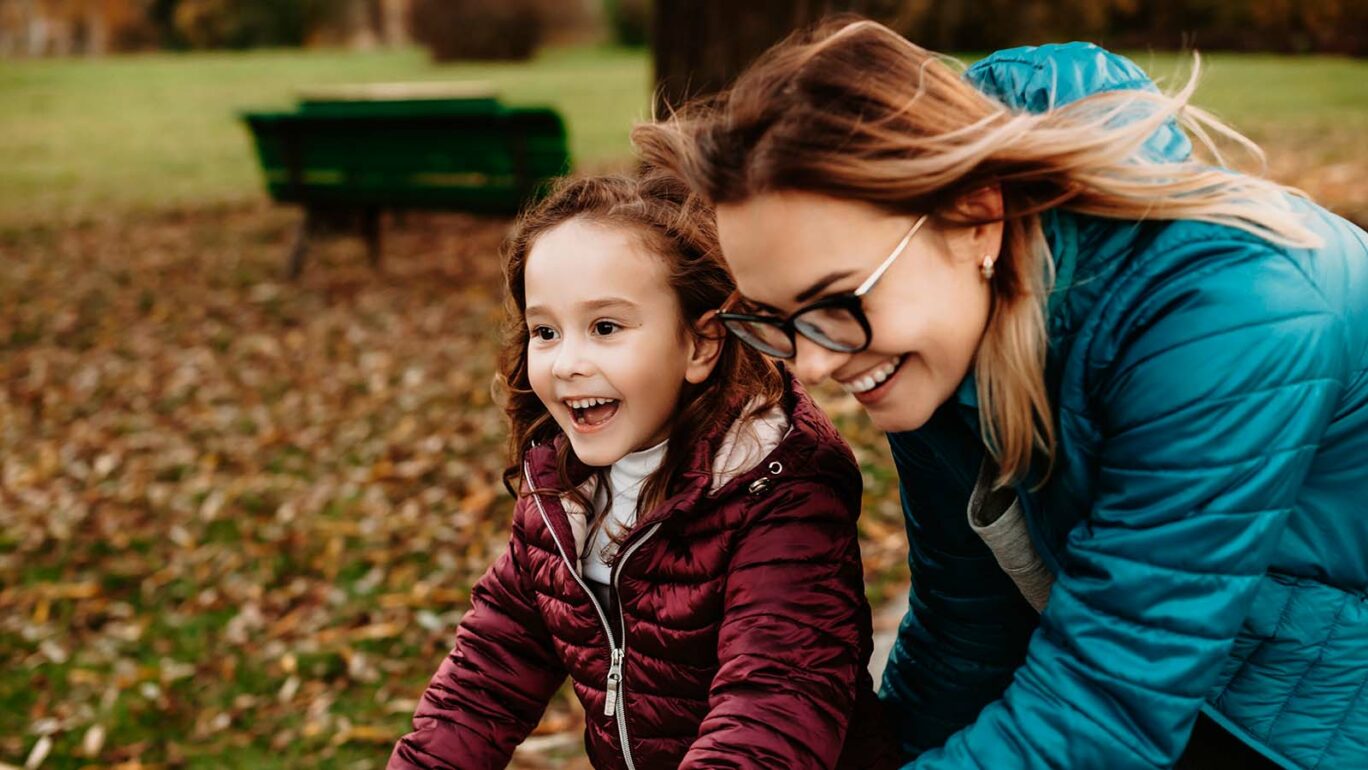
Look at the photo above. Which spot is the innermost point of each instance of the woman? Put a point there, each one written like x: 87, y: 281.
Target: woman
x: 1125, y: 393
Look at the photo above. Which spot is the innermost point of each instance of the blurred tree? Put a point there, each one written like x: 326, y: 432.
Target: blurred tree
x: 131, y: 27
x: 574, y: 22
x: 702, y: 42
x: 629, y: 21
x: 252, y: 23
x: 982, y: 25
x: 479, y: 29
x: 699, y: 46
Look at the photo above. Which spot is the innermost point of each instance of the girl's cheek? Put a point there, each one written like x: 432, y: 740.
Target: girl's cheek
x: 538, y: 373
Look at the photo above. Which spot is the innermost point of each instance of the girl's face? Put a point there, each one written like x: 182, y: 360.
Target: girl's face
x: 927, y: 313
x: 608, y: 352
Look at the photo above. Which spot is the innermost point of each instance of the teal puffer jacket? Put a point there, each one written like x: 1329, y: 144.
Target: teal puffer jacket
x: 1207, y: 518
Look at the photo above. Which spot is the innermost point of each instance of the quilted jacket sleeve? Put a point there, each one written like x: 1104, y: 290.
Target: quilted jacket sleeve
x: 1212, y: 393
x: 490, y: 692
x: 789, y: 647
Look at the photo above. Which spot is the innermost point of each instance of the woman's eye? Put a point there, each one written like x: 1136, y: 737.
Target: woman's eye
x: 605, y: 328
x: 544, y: 333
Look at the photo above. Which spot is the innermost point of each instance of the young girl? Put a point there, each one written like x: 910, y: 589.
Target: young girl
x: 684, y: 542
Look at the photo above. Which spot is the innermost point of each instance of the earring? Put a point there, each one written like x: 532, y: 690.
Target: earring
x: 987, y: 268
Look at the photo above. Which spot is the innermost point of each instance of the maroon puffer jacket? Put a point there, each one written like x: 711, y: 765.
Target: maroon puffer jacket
x: 747, y: 630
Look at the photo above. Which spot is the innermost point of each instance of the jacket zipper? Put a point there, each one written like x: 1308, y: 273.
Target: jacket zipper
x: 614, y: 705
x: 618, y: 697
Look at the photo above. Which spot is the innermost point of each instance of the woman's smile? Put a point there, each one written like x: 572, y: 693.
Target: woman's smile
x: 932, y: 300
x: 871, y: 384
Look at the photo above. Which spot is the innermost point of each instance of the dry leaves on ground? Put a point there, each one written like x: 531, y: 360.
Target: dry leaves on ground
x: 239, y: 516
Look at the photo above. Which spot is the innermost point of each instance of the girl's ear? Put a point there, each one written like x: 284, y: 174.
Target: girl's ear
x: 705, y: 347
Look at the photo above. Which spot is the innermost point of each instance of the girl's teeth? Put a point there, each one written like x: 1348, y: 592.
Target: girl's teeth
x: 588, y: 402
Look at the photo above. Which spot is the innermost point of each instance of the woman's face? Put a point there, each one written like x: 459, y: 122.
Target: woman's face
x: 927, y: 313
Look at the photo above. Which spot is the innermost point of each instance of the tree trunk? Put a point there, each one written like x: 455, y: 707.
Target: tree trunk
x: 700, y: 46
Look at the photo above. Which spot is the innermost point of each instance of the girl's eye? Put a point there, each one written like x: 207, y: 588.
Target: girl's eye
x: 605, y: 328
x: 543, y: 333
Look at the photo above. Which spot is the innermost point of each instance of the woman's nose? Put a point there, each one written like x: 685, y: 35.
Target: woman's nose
x: 814, y: 363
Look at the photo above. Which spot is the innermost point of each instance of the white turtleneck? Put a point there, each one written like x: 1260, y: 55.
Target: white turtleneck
x: 625, y: 478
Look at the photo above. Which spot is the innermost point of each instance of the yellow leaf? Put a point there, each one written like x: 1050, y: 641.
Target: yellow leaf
x: 85, y: 590
x: 478, y: 499
x: 367, y: 734
x: 376, y: 631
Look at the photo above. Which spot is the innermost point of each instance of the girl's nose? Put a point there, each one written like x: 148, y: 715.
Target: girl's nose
x: 814, y: 363
x: 571, y: 362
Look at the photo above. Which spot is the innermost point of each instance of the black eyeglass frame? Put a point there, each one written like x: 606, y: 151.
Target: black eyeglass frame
x: 851, y: 301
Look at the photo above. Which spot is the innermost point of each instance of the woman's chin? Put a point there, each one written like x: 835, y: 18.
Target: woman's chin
x: 901, y: 411
x: 897, y: 423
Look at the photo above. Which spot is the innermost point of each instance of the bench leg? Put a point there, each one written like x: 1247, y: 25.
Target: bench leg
x: 370, y: 225
x: 301, y: 245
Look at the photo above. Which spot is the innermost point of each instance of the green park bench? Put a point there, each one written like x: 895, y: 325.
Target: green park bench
x: 348, y: 153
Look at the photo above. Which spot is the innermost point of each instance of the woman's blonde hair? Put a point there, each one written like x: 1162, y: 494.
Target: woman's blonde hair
x: 853, y: 110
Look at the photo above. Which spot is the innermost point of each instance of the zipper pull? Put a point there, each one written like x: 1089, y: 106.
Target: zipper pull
x: 614, y: 682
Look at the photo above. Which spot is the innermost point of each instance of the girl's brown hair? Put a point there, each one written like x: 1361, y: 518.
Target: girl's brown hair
x: 854, y: 111
x: 674, y: 225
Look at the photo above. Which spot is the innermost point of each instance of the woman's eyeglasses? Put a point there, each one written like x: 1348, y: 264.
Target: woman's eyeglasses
x: 836, y: 322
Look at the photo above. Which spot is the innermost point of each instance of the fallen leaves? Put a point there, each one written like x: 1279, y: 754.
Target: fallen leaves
x: 364, y: 633
x: 205, y: 471
x: 39, y: 753
x: 240, y: 517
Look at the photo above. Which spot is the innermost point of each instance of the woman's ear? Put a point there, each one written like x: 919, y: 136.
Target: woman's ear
x: 705, y: 347
x: 983, y: 205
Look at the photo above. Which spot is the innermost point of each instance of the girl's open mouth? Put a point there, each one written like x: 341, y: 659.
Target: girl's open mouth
x: 590, y: 414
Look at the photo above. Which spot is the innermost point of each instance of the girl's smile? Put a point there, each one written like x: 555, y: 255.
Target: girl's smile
x: 590, y: 415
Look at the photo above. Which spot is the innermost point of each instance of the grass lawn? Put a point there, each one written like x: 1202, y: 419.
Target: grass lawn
x: 1309, y: 114
x: 80, y: 137
x: 127, y: 134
